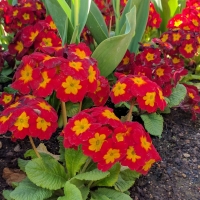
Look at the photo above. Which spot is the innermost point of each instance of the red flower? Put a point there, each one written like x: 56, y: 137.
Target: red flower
x: 188, y: 48
x: 6, y: 99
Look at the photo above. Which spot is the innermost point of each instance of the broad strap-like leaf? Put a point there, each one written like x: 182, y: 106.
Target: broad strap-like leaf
x: 59, y: 16
x: 22, y: 163
x: 74, y: 160
x: 142, y: 8
x: 71, y: 192
x: 46, y: 173
x: 96, y: 24
x: 110, y: 52
x: 177, y: 96
x: 153, y: 123
x: 93, y: 175
x: 6, y: 194
x: 111, y: 194
x: 29, y: 191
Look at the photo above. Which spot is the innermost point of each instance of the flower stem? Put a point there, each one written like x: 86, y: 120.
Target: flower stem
x: 34, y: 147
x: 130, y: 111
x: 64, y: 113
x: 117, y: 16
x: 80, y: 106
x: 86, y: 165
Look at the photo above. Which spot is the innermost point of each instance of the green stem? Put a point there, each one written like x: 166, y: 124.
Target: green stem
x: 76, y: 12
x: 117, y: 16
x: 86, y: 165
x: 80, y: 106
x: 34, y: 147
x: 64, y: 113
x: 130, y: 111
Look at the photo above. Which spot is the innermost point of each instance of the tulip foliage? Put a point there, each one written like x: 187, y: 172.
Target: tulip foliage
x: 70, y: 65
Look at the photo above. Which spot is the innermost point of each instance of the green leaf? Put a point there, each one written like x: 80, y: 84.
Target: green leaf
x: 93, y: 175
x: 74, y: 160
x: 9, y: 90
x: 142, y: 8
x: 110, y: 52
x: 173, y: 6
x: 87, y: 103
x: 71, y: 192
x: 72, y: 108
x: 31, y: 153
x: 111, y: 194
x: 59, y: 16
x: 96, y: 24
x: 46, y: 173
x: 61, y: 149
x: 4, y: 79
x: 96, y: 196
x: 177, y: 96
x: 29, y: 191
x: 82, y: 10
x: 22, y: 163
x: 6, y: 71
x: 112, y: 178
x: 153, y: 123
x: 126, y: 180
x: 6, y: 194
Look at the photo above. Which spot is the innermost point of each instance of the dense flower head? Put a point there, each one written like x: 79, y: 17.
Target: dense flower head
x: 107, y: 140
x: 147, y: 94
x: 22, y: 14
x: 29, y: 116
x: 72, y: 77
x: 35, y: 37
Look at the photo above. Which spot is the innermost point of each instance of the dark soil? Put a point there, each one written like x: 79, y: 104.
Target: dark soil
x: 176, y: 177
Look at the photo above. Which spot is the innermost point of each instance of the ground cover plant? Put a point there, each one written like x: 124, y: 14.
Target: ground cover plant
x: 69, y: 65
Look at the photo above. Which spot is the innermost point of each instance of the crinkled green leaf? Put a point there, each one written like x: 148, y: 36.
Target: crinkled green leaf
x: 178, y: 95
x: 126, y: 180
x: 74, y: 160
x: 46, y: 173
x: 93, y: 175
x: 6, y: 194
x: 111, y: 194
x: 71, y: 192
x: 110, y: 52
x: 153, y: 123
x: 72, y: 108
x: 96, y: 24
x: 142, y: 13
x: 22, y: 163
x: 29, y: 191
x: 111, y: 179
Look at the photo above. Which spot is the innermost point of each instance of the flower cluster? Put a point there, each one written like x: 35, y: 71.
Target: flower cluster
x: 29, y: 116
x: 154, y: 19
x: 145, y: 92
x: 22, y: 14
x: 42, y: 34
x: 70, y: 71
x: 107, y: 140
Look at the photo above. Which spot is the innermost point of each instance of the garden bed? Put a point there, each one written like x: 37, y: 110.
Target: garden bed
x: 177, y: 176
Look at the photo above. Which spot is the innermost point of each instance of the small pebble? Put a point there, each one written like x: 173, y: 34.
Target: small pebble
x: 186, y: 155
x: 184, y: 175
x: 1, y: 145
x: 198, y: 166
x: 17, y: 148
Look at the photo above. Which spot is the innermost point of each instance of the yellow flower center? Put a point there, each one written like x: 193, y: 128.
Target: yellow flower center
x: 110, y: 115
x: 26, y: 74
x: 3, y: 119
x: 7, y: 98
x: 52, y: 25
x: 47, y: 42
x: 96, y: 142
x: 33, y: 35
x: 19, y: 46
x: 76, y: 65
x: 92, y: 74
x: 42, y: 124
x: 22, y: 121
x: 27, y: 5
x: 150, y: 98
x: 44, y: 106
x: 119, y: 89
x: 164, y: 37
x: 111, y: 155
x: 71, y: 85
x: 195, y: 22
x: 26, y: 16
x: 80, y: 126
x: 125, y: 60
x: 175, y: 60
x: 46, y: 80
x: 188, y: 48
x: 191, y: 95
x: 176, y: 37
x: 138, y: 81
x: 177, y: 23
x: 150, y: 56
x: 38, y: 6
x: 80, y: 54
x: 15, y: 13
x: 145, y: 144
x: 131, y: 155
x: 160, y: 72
x: 148, y: 164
